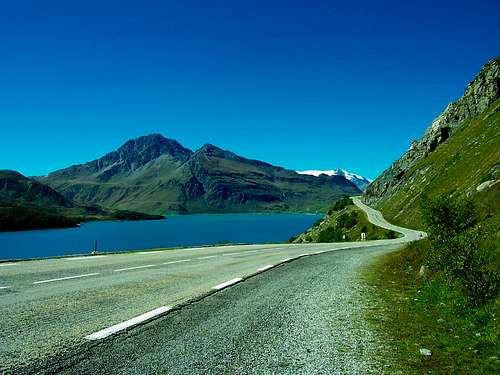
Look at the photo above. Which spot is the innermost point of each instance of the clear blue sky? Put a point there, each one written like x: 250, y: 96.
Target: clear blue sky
x: 302, y: 84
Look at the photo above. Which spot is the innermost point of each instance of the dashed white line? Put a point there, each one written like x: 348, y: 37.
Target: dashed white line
x: 127, y: 324
x: 150, y: 252
x: 207, y: 257
x: 178, y: 261
x: 265, y: 267
x: 87, y: 257
x: 65, y: 278
x: 8, y: 264
x: 229, y: 254
x: 134, y: 268
x: 227, y: 283
x: 5, y: 287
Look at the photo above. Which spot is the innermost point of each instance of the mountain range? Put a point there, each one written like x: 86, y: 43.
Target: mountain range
x: 28, y: 204
x: 157, y: 175
x: 358, y: 180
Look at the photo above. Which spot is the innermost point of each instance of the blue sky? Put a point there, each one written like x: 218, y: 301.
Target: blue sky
x: 300, y: 84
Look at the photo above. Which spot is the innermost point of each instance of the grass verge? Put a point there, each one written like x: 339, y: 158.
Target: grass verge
x: 415, y: 311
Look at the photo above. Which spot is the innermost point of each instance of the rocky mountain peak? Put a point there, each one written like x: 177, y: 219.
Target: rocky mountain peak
x: 209, y: 148
x: 148, y: 147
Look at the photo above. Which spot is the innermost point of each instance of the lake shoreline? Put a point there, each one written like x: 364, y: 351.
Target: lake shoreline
x: 175, y: 232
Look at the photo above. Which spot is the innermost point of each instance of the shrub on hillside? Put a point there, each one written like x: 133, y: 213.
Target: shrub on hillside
x: 456, y: 249
x: 347, y: 220
x: 340, y: 205
x: 330, y: 234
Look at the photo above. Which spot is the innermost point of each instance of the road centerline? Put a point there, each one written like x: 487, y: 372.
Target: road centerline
x: 66, y: 278
x: 134, y: 268
x: 178, y: 261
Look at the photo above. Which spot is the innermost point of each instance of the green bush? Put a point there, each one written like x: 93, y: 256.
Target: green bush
x: 456, y: 248
x: 347, y: 220
x: 330, y: 234
x: 391, y: 235
x: 340, y: 205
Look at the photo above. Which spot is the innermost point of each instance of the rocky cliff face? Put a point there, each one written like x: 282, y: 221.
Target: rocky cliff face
x: 479, y: 95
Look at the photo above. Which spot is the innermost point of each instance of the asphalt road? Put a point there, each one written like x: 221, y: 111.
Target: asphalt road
x: 49, y: 308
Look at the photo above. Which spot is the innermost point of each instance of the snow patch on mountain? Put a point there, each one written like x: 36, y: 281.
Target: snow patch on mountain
x: 360, y: 181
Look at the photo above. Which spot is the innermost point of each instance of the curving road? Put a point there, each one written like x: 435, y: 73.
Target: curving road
x: 87, y: 314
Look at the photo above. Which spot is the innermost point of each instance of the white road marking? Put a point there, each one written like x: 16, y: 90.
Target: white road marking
x: 178, y: 261
x: 127, y: 324
x: 87, y: 257
x: 66, y: 278
x: 320, y: 252
x: 208, y: 257
x: 229, y: 254
x: 303, y: 255
x: 8, y: 264
x: 286, y: 260
x: 265, y: 267
x: 134, y: 268
x: 227, y: 283
x: 149, y: 252
x: 5, y: 287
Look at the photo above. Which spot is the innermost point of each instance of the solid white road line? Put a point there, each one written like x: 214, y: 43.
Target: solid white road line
x: 303, y: 255
x: 178, y: 261
x: 227, y: 283
x: 265, y: 267
x: 5, y: 287
x: 87, y: 257
x: 134, y: 268
x: 208, y: 257
x: 65, y: 278
x: 127, y: 324
x: 286, y: 260
x: 229, y: 254
x: 8, y: 264
x: 149, y: 252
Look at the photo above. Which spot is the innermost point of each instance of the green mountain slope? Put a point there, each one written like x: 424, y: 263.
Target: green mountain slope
x: 459, y: 152
x: 155, y: 174
x: 29, y: 204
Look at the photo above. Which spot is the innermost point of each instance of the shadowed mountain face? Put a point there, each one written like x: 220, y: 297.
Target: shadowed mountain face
x: 154, y: 174
x: 28, y: 204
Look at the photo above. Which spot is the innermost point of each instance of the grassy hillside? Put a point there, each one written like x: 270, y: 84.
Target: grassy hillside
x: 343, y: 222
x: 27, y: 204
x: 457, y: 167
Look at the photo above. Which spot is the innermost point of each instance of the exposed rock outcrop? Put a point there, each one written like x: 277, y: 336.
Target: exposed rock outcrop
x: 479, y: 95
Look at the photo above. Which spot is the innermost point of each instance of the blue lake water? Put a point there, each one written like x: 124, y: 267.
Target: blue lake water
x: 182, y: 230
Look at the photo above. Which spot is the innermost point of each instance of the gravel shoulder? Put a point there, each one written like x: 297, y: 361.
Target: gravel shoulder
x: 302, y: 317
